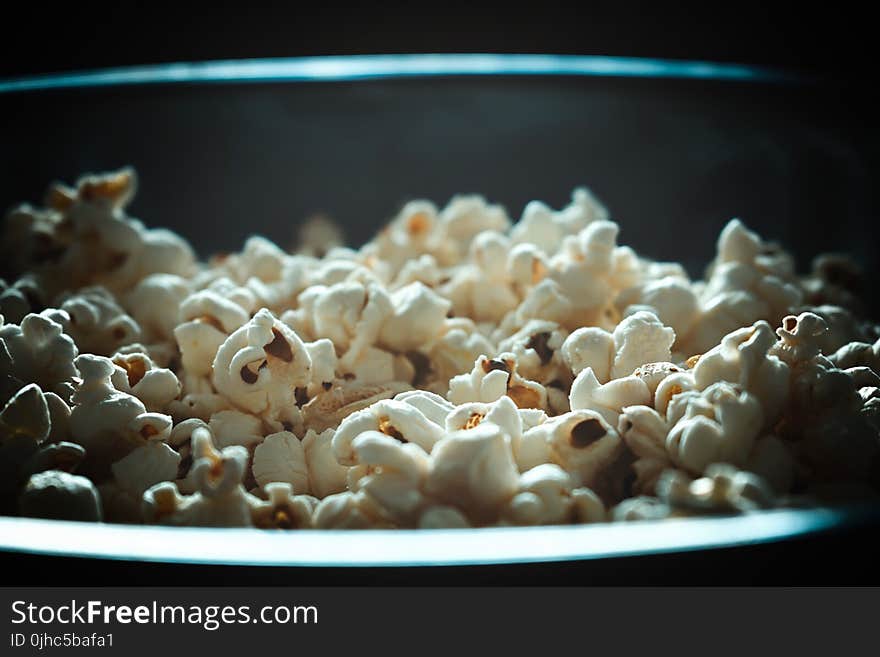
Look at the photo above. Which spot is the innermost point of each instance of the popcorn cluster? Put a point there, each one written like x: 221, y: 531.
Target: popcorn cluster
x: 459, y: 370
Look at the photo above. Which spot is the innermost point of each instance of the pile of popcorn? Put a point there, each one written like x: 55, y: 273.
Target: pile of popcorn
x: 459, y: 370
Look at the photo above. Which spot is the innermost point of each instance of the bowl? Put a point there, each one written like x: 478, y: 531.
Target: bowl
x: 673, y: 148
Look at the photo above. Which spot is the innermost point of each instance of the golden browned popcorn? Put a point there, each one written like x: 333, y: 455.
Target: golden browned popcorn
x: 492, y: 378
x: 397, y: 419
x: 327, y: 409
x: 283, y: 509
x: 137, y: 375
x: 220, y: 499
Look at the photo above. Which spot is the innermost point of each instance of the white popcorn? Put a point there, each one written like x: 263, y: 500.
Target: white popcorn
x: 589, y: 347
x: 474, y: 471
x: 433, y: 406
x: 455, y: 351
x: 96, y: 322
x: 464, y: 217
x: 743, y: 358
x: 347, y: 510
x: 260, y: 365
x: 390, y: 476
x: 670, y: 386
x: 207, y: 319
x: 390, y: 417
x: 527, y: 265
x: 137, y: 375
x: 220, y: 499
x: 26, y: 415
x: 644, y: 431
x: 326, y: 476
x: 722, y: 489
x: 418, y: 315
x: 154, y: 303
x: 492, y: 378
x: 39, y: 352
x: 61, y: 496
x: 536, y: 347
x: 718, y: 425
x: 19, y: 299
x: 281, y: 457
x: 670, y: 298
x: 587, y: 447
x: 544, y: 497
x: 799, y: 338
x: 455, y: 371
x: 638, y: 339
x: 443, y: 517
x: 857, y: 354
x: 108, y: 423
x: 607, y: 399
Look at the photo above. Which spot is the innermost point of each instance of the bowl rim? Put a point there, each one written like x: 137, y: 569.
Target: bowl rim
x: 407, y: 548
x: 342, y: 68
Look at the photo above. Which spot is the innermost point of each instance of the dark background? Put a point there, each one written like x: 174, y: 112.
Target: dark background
x: 808, y: 36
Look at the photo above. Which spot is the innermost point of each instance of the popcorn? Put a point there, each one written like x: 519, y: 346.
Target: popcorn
x: 418, y: 313
x: 744, y: 357
x: 108, y: 423
x: 588, y: 448
x: 474, y: 471
x: 346, y: 510
x: 638, y: 339
x: 283, y: 509
x: 96, y: 322
x: 326, y: 476
x: 281, y: 457
x: 220, y: 499
x: 492, y: 378
x: 455, y: 371
x: 38, y: 351
x: 260, y: 365
x: 644, y: 431
x: 607, y: 399
x: 154, y: 304
x: 137, y: 375
x: 590, y: 347
x: 61, y: 496
x: 723, y: 489
x: 543, y: 498
x: 327, y: 409
x: 718, y: 425
x: 390, y: 476
x: 393, y: 418
x: 536, y: 347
